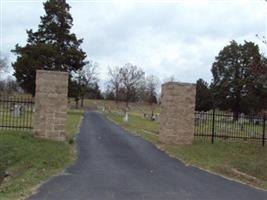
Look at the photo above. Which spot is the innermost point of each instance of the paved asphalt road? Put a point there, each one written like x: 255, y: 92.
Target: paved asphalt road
x: 115, y: 165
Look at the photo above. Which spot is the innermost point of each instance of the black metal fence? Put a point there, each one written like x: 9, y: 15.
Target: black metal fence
x: 16, y: 113
x: 214, y: 125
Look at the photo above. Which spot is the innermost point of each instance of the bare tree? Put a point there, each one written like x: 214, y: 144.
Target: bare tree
x: 115, y: 80
x: 9, y: 86
x: 263, y: 39
x: 171, y: 78
x: 141, y: 91
x: 12, y: 86
x: 132, y: 77
x: 86, y: 78
x: 3, y: 65
x: 151, y: 88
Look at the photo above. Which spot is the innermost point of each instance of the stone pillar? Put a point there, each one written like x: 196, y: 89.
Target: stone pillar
x: 177, y: 113
x: 51, y: 103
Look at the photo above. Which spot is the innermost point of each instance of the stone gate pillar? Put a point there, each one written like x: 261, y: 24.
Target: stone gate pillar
x: 177, y: 113
x: 51, y: 103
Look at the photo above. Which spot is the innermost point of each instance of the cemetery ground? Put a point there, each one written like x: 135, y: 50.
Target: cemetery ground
x: 26, y: 161
x: 234, y: 159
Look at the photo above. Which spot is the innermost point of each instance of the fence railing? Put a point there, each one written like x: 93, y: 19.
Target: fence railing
x: 16, y: 113
x: 212, y: 125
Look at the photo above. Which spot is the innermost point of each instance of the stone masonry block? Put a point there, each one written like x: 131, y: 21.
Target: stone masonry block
x: 177, y: 113
x: 51, y: 104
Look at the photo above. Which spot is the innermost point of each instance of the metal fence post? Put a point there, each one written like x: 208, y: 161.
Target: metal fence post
x: 263, y: 130
x: 213, y: 126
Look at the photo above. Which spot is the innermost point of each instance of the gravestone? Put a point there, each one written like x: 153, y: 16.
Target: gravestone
x: 177, y: 113
x: 18, y: 110
x: 51, y: 104
x: 126, y: 117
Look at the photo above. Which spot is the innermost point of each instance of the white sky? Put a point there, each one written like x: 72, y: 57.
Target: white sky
x: 165, y: 38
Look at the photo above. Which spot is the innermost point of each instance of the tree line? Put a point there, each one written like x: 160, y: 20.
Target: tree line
x: 239, y: 72
x: 7, y: 84
x: 54, y: 47
x: 239, y: 81
x: 129, y: 84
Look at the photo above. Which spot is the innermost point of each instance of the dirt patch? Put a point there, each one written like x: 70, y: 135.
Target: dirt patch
x: 232, y: 172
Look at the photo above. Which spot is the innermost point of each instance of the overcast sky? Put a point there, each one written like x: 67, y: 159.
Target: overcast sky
x: 179, y: 38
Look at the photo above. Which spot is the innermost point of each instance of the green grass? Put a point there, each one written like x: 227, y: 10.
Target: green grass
x: 7, y: 118
x: 229, y: 128
x: 226, y: 158
x: 74, y: 118
x: 30, y: 161
x: 109, y: 104
x: 146, y: 128
x: 7, y: 108
x: 240, y: 160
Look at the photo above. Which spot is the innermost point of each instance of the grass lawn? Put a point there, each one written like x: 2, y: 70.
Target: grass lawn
x: 73, y: 123
x: 225, y: 126
x: 110, y: 104
x: 30, y: 161
x: 16, y: 111
x: 146, y: 128
x: 7, y: 119
x: 238, y: 160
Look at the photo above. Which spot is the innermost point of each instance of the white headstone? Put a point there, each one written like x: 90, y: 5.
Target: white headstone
x: 126, y: 117
x: 17, y: 111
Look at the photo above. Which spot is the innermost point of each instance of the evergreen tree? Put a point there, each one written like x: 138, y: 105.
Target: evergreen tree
x: 52, y: 47
x: 256, y: 99
x: 235, y: 83
x: 203, y: 96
